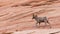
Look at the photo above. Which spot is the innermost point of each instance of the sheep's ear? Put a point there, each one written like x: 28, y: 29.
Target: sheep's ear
x: 33, y: 14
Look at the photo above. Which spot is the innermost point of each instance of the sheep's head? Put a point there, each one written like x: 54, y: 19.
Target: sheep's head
x: 34, y: 16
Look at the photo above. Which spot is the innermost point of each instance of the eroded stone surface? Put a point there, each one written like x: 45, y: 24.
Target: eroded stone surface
x: 19, y: 18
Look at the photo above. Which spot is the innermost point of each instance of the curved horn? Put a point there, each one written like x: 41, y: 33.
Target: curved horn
x: 33, y: 14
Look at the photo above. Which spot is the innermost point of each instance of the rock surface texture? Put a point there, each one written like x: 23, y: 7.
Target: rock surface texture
x: 17, y: 14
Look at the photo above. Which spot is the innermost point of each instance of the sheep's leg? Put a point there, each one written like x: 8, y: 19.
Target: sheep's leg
x: 39, y: 24
x: 36, y: 23
x: 49, y: 24
x: 46, y: 21
x: 45, y: 24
